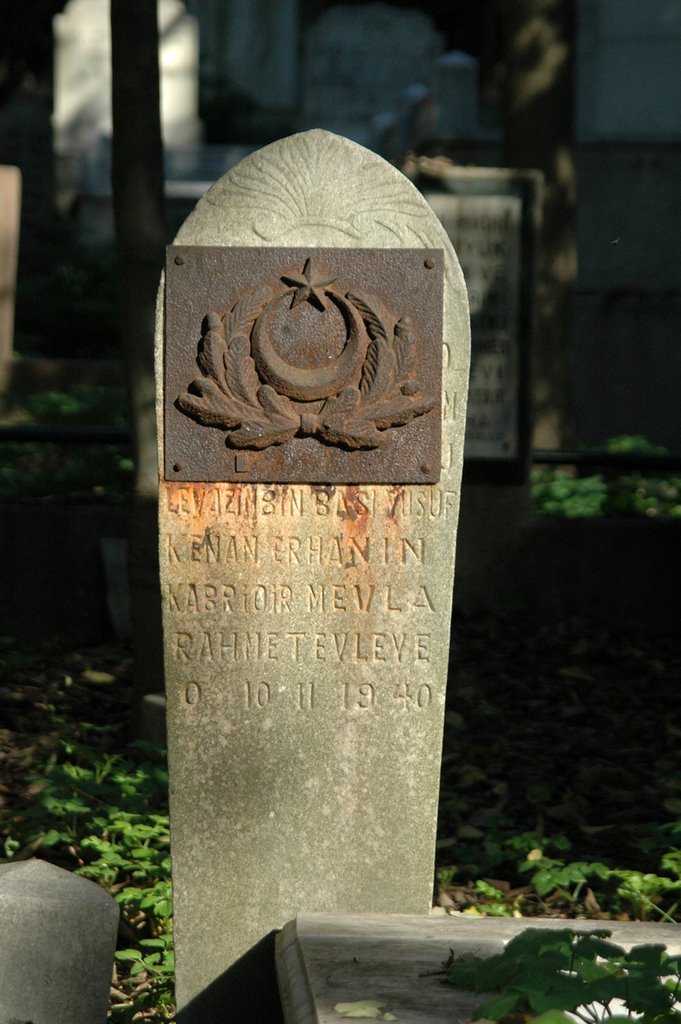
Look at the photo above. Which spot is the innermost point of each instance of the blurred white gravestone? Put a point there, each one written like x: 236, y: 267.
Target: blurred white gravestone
x: 57, y: 948
x: 82, y: 75
x: 10, y: 218
x: 307, y: 608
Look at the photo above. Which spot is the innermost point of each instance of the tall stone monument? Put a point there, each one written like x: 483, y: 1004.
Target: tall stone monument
x: 312, y: 327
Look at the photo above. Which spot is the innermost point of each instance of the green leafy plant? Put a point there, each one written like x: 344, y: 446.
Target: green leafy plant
x: 70, y: 307
x: 640, y: 891
x: 47, y: 469
x: 561, y: 491
x: 548, y: 974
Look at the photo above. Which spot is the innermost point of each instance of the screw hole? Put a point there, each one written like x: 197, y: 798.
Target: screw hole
x: 429, y: 263
x: 177, y: 467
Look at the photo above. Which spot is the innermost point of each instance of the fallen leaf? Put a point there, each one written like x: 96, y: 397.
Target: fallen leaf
x: 591, y: 903
x: 89, y: 675
x: 365, y: 1008
x: 469, y: 832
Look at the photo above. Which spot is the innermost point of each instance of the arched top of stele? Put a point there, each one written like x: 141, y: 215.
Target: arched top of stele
x: 320, y: 189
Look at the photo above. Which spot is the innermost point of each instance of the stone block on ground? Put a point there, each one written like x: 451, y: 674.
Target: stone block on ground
x: 57, y: 946
x: 326, y: 959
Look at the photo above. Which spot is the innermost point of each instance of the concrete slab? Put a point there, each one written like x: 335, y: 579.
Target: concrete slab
x: 326, y: 959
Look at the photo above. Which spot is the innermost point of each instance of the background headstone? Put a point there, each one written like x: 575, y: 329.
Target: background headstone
x: 358, y: 60
x: 57, y: 947
x: 491, y: 216
x: 454, y: 84
x: 249, y: 52
x: 82, y: 75
x: 306, y: 626
x: 620, y: 44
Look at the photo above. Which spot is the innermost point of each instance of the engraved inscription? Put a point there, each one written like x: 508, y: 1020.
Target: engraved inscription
x: 350, y: 647
x: 306, y: 696
x: 192, y: 693
x: 242, y: 594
x: 226, y: 598
x: 362, y: 696
x: 214, y: 548
x: 258, y: 695
x: 352, y: 503
x: 302, y: 358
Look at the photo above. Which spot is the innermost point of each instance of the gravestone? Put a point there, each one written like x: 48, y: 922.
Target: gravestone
x: 57, y: 948
x: 250, y: 50
x: 82, y: 75
x: 307, y: 535
x: 454, y: 84
x: 618, y: 44
x: 358, y: 60
x: 491, y: 216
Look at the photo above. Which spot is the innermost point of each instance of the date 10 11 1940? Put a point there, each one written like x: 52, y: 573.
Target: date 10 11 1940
x: 256, y: 696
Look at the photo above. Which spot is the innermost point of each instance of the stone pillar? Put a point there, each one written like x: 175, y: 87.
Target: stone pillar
x: 307, y: 538
x: 10, y: 217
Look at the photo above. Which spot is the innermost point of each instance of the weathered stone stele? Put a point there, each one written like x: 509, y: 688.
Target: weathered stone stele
x: 306, y: 625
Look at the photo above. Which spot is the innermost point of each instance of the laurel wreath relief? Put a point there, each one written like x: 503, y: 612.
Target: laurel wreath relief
x: 231, y: 395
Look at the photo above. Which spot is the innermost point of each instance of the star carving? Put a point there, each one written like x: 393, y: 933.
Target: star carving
x: 309, y: 286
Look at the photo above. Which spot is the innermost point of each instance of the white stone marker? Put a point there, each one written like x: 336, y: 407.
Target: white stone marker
x: 306, y: 623
x: 57, y: 946
x: 10, y: 217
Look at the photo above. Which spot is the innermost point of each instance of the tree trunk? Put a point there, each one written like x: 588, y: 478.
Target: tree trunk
x: 137, y: 177
x: 538, y: 133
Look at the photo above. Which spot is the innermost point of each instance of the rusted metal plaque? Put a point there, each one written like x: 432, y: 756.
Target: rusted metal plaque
x: 303, y: 365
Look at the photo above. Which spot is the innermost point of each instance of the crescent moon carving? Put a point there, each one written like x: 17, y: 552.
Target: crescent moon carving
x: 306, y: 384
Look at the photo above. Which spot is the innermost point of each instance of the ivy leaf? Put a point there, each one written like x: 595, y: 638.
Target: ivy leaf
x: 497, y: 1008
x: 591, y: 946
x: 554, y: 1017
x: 648, y: 955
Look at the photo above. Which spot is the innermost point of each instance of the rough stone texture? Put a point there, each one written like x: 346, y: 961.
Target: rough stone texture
x: 58, y: 941
x: 323, y: 960
x: 306, y: 691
